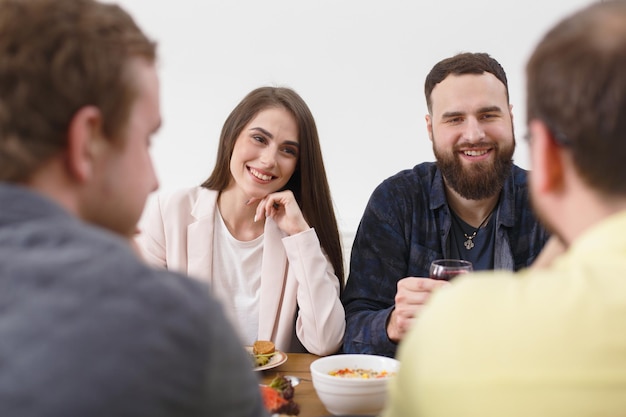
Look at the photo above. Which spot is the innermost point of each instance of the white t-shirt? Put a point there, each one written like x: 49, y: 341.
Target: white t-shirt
x: 237, y: 278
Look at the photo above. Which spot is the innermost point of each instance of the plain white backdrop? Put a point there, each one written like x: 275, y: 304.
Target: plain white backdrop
x: 359, y: 64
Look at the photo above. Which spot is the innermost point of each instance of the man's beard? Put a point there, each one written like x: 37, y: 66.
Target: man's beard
x: 482, y: 179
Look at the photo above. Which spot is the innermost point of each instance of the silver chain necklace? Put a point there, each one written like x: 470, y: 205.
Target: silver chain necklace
x: 469, y: 244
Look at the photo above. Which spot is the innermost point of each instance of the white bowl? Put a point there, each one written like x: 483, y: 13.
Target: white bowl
x: 352, y: 395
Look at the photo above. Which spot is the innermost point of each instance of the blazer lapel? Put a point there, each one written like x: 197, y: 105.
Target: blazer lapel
x: 273, y: 276
x: 200, y: 236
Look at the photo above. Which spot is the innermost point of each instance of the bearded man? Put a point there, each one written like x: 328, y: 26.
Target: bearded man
x: 471, y: 204
x: 546, y: 342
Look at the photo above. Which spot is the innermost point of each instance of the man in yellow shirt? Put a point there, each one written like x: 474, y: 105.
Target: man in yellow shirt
x: 551, y: 341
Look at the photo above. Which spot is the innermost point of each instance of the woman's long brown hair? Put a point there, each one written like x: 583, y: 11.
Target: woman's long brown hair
x: 308, y: 182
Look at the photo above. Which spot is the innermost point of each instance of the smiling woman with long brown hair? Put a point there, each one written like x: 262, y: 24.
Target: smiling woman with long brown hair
x: 261, y: 229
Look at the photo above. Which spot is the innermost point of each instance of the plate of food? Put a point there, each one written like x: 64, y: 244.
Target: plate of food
x: 278, y: 397
x: 265, y: 356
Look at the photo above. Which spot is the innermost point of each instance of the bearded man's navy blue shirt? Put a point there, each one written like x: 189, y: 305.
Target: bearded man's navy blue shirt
x: 406, y: 225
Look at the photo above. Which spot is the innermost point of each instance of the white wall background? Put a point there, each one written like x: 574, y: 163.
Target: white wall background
x: 359, y: 64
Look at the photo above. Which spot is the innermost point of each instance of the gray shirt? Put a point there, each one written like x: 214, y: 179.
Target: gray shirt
x: 87, y: 329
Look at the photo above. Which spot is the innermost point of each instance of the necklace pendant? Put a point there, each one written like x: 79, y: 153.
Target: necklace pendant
x: 468, y: 244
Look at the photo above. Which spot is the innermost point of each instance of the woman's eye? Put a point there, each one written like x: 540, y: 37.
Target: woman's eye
x: 258, y: 138
x: 290, y: 151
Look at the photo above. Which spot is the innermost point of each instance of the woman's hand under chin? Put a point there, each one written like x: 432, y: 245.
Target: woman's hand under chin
x: 283, y: 208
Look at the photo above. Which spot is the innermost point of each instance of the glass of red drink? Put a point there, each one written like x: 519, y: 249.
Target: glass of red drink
x: 446, y: 269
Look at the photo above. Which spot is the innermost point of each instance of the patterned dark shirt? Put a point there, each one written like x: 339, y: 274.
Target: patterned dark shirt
x: 405, y: 227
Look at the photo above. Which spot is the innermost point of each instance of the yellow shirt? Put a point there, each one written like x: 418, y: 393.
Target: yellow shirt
x: 538, y: 343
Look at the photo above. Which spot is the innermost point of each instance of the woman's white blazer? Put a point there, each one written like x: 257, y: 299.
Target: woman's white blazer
x: 299, y: 305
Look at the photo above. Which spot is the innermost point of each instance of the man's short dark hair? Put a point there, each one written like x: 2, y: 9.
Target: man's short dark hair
x: 55, y: 58
x: 576, y: 85
x: 460, y: 64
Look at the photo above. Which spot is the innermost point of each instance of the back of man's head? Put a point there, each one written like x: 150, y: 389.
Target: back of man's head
x: 576, y: 85
x: 464, y: 63
x: 57, y: 56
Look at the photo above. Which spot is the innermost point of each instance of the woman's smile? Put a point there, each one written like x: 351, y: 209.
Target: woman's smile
x: 261, y: 175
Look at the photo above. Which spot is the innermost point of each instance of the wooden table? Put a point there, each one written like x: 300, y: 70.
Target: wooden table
x: 298, y: 365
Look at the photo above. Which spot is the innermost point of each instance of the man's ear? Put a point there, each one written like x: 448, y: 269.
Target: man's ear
x: 83, y: 139
x: 429, y: 126
x: 546, y: 159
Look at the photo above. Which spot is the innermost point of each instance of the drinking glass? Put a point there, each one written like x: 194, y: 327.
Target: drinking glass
x: 446, y: 269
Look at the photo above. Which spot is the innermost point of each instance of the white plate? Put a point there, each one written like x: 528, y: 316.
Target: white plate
x: 276, y: 360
